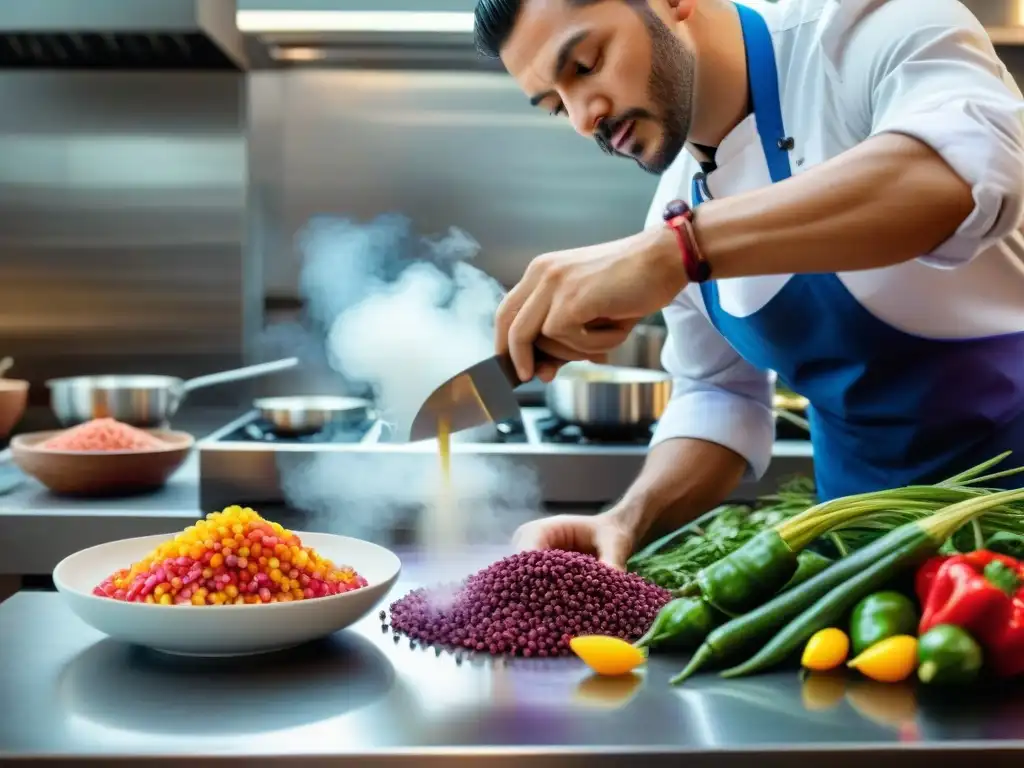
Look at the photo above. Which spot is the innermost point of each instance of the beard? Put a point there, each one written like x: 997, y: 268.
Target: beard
x: 669, y: 90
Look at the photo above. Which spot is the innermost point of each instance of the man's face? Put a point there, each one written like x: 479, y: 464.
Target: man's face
x: 614, y: 67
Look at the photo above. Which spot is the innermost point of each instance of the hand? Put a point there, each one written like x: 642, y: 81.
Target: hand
x: 581, y: 304
x: 604, y: 536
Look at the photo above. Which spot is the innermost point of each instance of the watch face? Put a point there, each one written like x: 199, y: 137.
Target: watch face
x: 676, y: 208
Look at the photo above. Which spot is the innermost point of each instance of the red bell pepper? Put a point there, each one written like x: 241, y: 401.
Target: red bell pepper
x: 983, y: 593
x: 926, y: 577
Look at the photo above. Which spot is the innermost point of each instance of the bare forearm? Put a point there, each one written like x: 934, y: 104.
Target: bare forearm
x: 886, y: 201
x: 681, y: 480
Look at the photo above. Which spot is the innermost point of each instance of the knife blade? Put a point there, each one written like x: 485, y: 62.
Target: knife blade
x: 481, y: 394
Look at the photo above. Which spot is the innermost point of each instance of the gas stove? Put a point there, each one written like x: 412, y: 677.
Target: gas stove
x: 245, y: 462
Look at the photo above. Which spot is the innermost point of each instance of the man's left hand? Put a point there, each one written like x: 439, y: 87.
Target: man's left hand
x: 581, y: 304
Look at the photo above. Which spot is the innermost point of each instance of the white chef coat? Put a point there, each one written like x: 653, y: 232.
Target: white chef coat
x: 849, y: 70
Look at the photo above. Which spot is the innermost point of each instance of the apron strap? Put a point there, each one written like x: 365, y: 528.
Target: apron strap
x: 763, y: 77
x: 763, y: 80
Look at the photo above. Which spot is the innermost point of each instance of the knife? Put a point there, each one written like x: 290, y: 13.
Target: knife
x: 479, y: 395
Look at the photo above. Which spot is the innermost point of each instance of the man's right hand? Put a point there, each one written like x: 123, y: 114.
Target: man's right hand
x: 606, y: 536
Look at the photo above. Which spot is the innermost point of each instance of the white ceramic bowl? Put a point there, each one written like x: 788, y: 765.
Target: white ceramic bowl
x: 232, y: 630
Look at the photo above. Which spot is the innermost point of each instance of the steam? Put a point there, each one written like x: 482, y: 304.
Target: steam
x: 400, y: 314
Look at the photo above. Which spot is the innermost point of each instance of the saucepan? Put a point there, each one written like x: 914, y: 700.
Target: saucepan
x: 608, y: 399
x: 142, y: 401
x: 302, y: 414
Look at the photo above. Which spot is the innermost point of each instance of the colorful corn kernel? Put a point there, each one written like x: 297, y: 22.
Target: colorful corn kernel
x: 232, y: 557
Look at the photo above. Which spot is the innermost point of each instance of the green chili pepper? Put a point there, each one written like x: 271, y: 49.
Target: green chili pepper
x: 893, y: 551
x: 682, y: 624
x: 750, y: 575
x: 872, y: 567
x: 880, y: 616
x: 757, y: 626
x: 948, y: 655
x: 808, y: 564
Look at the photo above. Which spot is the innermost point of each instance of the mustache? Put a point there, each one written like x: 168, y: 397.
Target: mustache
x: 608, y: 127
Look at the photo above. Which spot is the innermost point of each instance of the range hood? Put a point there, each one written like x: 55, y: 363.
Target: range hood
x: 332, y: 32
x: 121, y: 34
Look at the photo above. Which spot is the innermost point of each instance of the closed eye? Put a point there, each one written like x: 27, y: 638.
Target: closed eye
x: 559, y: 110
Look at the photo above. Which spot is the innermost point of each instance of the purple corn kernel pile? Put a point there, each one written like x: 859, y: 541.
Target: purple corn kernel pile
x: 531, y: 604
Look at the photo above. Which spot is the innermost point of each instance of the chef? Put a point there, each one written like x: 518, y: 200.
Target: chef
x: 840, y: 205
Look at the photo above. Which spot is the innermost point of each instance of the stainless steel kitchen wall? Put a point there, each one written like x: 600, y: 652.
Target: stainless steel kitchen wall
x: 445, y: 148
x: 122, y: 214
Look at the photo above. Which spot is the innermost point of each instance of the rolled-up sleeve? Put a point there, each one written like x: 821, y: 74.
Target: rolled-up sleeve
x: 928, y: 70
x: 717, y: 396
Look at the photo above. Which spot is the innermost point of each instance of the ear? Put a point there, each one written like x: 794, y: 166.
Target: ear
x: 681, y: 10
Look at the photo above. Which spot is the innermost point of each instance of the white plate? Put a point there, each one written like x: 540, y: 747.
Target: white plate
x: 230, y: 630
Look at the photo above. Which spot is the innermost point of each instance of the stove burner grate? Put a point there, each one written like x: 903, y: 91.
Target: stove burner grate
x: 261, y: 431
x: 554, y: 430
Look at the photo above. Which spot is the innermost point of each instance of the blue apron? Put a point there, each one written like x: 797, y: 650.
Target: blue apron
x: 888, y: 408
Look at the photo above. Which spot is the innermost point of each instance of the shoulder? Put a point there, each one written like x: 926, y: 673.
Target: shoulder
x: 884, y: 27
x: 837, y: 30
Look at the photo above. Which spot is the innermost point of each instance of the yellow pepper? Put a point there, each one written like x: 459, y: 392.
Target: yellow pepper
x: 889, y: 661
x: 607, y: 655
x: 827, y: 649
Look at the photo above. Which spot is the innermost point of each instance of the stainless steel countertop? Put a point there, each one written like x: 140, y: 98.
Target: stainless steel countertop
x: 358, y: 698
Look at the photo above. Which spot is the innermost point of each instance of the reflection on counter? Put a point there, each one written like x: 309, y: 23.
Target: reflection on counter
x: 607, y: 693
x: 127, y: 688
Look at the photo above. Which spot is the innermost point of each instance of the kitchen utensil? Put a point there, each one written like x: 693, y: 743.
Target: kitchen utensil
x: 311, y: 413
x: 100, y: 473
x: 222, y: 630
x: 608, y: 400
x: 479, y: 395
x: 142, y: 401
x: 5, y: 366
x: 13, y: 399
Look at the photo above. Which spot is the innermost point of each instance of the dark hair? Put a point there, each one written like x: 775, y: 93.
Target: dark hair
x: 494, y: 20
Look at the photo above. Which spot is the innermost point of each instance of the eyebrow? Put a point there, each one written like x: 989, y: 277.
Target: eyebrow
x: 564, y: 54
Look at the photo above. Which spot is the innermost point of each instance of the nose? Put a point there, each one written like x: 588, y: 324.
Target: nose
x: 587, y: 112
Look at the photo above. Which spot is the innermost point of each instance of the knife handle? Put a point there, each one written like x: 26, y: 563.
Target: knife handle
x: 509, y: 369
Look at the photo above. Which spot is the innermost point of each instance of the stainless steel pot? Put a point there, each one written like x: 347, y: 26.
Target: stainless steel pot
x: 311, y: 413
x: 641, y: 349
x: 142, y: 401
x: 605, y: 399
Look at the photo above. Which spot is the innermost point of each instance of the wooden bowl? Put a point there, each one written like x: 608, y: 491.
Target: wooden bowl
x: 101, y: 473
x: 13, y: 398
